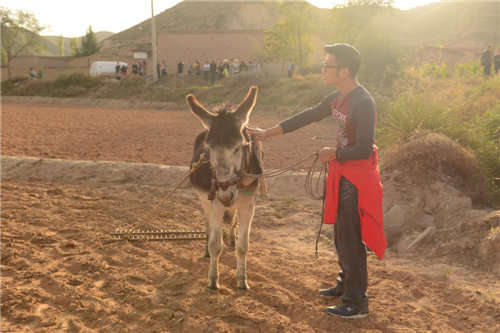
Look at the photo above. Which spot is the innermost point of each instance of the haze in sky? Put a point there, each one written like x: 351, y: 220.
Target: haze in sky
x: 72, y: 18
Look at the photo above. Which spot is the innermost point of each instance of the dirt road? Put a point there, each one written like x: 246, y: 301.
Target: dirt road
x: 62, y: 272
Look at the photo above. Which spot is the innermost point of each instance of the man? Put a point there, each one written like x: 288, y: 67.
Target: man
x: 496, y: 61
x: 486, y: 60
x: 291, y: 69
x: 353, y: 183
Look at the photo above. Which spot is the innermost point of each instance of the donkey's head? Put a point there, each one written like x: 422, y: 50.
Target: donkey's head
x: 226, y: 143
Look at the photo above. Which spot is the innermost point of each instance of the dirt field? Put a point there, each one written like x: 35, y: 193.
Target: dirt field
x: 61, y: 271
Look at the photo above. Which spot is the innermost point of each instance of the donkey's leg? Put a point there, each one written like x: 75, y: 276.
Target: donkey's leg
x: 207, y: 209
x: 246, y: 212
x: 230, y: 219
x: 215, y: 243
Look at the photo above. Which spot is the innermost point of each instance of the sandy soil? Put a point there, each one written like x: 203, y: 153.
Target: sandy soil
x: 61, y: 271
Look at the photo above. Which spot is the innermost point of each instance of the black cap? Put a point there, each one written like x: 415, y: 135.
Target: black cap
x: 345, y: 55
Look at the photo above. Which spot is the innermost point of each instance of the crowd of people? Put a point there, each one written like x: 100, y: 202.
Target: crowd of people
x: 217, y: 69
x: 489, y: 60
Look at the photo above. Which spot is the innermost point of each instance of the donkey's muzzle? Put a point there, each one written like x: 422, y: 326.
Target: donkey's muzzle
x: 227, y: 198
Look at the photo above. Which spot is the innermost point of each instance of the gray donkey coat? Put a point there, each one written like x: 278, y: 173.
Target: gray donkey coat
x: 224, y: 168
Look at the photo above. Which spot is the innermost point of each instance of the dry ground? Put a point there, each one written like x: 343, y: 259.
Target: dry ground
x: 62, y: 272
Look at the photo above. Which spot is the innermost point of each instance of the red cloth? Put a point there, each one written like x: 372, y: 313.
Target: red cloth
x: 365, y: 176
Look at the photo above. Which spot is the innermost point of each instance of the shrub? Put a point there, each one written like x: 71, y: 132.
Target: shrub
x: 10, y: 84
x: 476, y: 130
x: 77, y: 79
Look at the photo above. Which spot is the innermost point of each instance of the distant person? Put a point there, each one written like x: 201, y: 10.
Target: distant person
x: 140, y: 69
x: 213, y: 71
x: 180, y: 67
x: 225, y: 68
x: 163, y: 69
x: 123, y: 70
x: 235, y: 66
x: 32, y: 73
x: 243, y: 66
x: 291, y: 69
x: 134, y: 68
x: 486, y: 58
x: 205, y: 69
x: 117, y: 70
x: 196, y: 67
x: 496, y: 61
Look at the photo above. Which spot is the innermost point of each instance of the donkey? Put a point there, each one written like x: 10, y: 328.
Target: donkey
x: 223, y: 171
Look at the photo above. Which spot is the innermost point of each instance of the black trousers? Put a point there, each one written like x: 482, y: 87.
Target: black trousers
x: 351, y: 251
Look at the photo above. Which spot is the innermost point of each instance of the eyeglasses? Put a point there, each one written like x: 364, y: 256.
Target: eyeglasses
x: 324, y: 65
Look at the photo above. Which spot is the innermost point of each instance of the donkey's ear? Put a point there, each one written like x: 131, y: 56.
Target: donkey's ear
x: 199, y: 111
x: 246, y: 107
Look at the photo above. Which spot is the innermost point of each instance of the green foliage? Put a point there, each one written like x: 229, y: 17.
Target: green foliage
x: 411, y: 111
x: 290, y: 38
x: 10, y: 84
x: 20, y: 32
x: 77, y: 79
x: 88, y: 45
x: 60, y: 46
x: 435, y: 70
x: 380, y: 59
x: 357, y: 23
x: 471, y: 69
x: 477, y: 127
x: 73, y: 44
x: 483, y: 136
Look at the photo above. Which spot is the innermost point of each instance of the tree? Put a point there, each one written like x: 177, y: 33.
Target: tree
x: 354, y: 18
x: 88, y: 45
x: 73, y: 44
x: 60, y: 45
x: 20, y: 34
x: 290, y: 38
x: 362, y: 23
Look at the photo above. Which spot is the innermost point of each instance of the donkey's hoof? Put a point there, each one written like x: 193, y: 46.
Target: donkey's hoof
x: 213, y: 285
x: 243, y: 285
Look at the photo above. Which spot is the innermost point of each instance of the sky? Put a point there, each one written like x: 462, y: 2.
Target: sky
x: 72, y: 18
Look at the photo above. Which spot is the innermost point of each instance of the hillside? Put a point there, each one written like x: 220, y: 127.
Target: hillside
x: 452, y: 23
x: 192, y: 15
x: 444, y: 23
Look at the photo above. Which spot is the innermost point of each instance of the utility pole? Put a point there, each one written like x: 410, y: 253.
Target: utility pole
x: 153, y: 38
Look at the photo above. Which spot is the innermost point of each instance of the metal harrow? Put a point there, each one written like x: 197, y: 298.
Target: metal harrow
x: 157, y: 235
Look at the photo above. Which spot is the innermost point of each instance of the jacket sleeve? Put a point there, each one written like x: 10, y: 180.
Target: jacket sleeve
x: 310, y: 115
x: 363, y: 119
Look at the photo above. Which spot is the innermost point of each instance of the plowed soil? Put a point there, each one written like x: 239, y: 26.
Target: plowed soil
x: 61, y: 271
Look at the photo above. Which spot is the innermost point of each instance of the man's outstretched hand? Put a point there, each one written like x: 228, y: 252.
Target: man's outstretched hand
x: 259, y: 133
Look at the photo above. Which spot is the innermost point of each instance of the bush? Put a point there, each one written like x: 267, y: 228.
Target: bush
x: 77, y: 79
x: 475, y: 129
x: 10, y: 84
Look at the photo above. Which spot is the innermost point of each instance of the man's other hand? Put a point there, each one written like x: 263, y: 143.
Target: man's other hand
x: 326, y: 153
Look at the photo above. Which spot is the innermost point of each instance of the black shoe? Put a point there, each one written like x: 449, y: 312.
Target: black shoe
x: 332, y: 292
x: 347, y: 311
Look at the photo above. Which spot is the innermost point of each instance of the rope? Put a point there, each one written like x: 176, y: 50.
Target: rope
x: 176, y: 187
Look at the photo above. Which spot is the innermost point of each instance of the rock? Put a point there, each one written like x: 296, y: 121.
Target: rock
x: 394, y: 221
